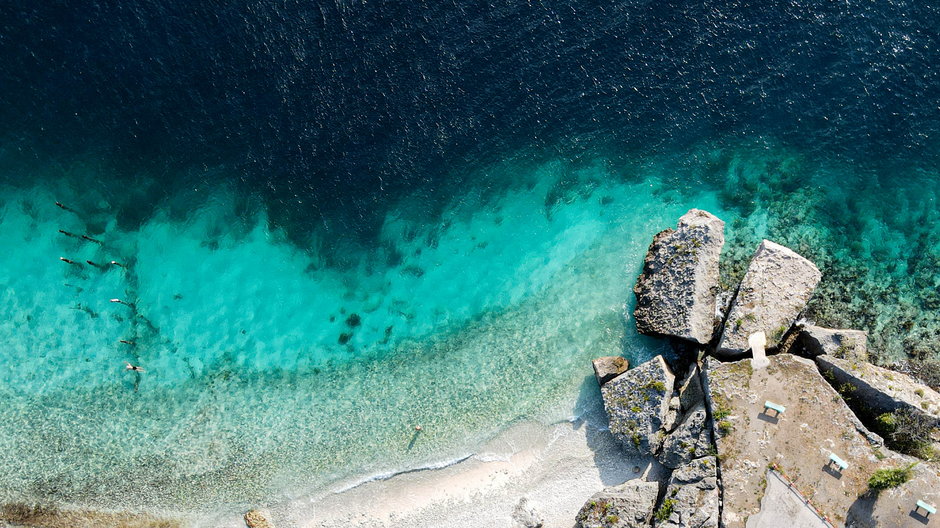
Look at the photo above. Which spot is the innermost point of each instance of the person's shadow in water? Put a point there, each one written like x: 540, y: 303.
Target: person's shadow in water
x: 414, y: 438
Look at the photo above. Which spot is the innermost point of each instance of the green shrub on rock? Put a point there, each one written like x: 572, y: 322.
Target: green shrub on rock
x: 890, y: 478
x: 665, y: 511
x: 907, y: 431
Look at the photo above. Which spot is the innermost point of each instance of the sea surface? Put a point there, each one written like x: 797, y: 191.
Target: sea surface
x: 333, y: 221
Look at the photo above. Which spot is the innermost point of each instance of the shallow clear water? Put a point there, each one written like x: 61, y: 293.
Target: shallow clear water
x: 336, y: 225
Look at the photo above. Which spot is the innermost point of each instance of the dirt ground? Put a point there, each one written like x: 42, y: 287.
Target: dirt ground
x: 816, y: 423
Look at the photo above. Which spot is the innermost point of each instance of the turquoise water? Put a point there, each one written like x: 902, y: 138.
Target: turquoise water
x: 338, y: 220
x: 271, y: 375
x: 489, y: 317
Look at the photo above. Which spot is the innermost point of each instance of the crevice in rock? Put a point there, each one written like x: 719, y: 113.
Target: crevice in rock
x: 706, y: 390
x: 663, y: 486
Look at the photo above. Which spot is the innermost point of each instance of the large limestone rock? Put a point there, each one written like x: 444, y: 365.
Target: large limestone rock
x: 629, y: 505
x: 637, y: 404
x: 774, y: 291
x: 689, y: 440
x: 880, y: 389
x: 692, y: 496
x: 676, y: 292
x: 609, y: 367
x: 844, y: 344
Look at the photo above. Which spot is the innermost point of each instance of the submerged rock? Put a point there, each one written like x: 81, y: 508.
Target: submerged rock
x: 629, y: 505
x: 692, y: 496
x: 774, y: 291
x: 880, y: 389
x: 609, y: 367
x: 844, y: 344
x: 258, y: 519
x: 676, y: 292
x: 637, y: 404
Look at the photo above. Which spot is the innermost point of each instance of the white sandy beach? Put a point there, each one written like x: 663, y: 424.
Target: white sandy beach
x: 554, y: 468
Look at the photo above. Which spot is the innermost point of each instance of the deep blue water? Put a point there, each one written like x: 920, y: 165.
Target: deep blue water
x: 476, y: 182
x: 334, y: 110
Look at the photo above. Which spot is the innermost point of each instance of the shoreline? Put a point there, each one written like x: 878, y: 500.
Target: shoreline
x: 552, y: 469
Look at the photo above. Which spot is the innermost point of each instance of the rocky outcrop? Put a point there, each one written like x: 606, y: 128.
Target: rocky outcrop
x: 815, y: 424
x: 689, y: 440
x: 774, y: 291
x: 692, y: 496
x: 609, y: 367
x: 894, y: 507
x: 258, y: 519
x: 691, y: 393
x: 843, y: 344
x: 879, y: 389
x: 629, y: 505
x: 676, y: 292
x: 637, y: 405
x: 525, y: 516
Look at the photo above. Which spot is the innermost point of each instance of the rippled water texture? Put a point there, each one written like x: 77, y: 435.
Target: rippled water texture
x: 337, y: 221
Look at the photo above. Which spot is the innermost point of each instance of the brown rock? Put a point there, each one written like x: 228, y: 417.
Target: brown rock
x: 609, y: 367
x: 258, y: 519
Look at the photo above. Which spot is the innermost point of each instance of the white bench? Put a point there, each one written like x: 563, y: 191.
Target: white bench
x: 841, y: 464
x: 921, y: 505
x: 775, y: 406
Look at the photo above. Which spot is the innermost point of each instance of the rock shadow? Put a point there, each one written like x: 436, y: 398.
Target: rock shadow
x: 860, y: 511
x: 613, y: 466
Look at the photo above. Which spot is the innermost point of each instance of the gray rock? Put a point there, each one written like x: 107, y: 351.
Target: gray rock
x: 525, y: 516
x: 673, y: 414
x: 689, y: 440
x: 692, y: 496
x: 676, y: 292
x: 774, y: 291
x: 691, y: 393
x: 843, y: 344
x: 637, y: 404
x: 881, y: 389
x: 609, y: 367
x: 629, y: 505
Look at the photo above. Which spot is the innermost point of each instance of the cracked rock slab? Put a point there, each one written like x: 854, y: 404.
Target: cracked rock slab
x: 839, y: 343
x: 676, y: 292
x: 774, y: 291
x: 637, y: 405
x: 881, y: 389
x: 629, y: 505
x: 689, y: 440
x: 692, y: 495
